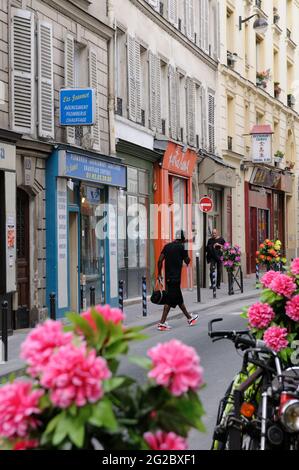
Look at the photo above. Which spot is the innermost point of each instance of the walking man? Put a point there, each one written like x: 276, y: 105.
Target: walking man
x: 214, y: 254
x: 174, y: 254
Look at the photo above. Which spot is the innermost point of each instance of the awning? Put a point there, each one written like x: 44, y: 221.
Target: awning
x: 215, y: 171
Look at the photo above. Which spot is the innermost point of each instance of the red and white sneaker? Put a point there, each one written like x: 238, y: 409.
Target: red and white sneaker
x: 164, y: 327
x: 193, y: 320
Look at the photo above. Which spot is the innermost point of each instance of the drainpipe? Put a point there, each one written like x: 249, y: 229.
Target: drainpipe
x: 111, y: 76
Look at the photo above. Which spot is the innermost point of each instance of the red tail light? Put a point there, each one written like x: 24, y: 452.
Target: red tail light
x: 284, y: 398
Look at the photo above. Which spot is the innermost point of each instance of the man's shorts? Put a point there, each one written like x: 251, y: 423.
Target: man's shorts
x: 174, y: 294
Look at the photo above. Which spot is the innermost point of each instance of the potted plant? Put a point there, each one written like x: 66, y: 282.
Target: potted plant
x: 277, y: 89
x: 262, y: 78
x: 278, y: 156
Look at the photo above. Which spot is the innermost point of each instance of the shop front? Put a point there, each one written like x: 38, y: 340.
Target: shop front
x: 81, y: 221
x: 266, y: 195
x: 173, y: 199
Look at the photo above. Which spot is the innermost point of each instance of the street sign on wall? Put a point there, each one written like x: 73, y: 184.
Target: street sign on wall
x: 206, y: 204
x: 77, y: 106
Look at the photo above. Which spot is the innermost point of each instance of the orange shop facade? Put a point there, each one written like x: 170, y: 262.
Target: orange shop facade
x: 173, y: 199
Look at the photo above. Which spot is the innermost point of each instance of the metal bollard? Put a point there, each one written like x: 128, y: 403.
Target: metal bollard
x: 81, y: 297
x: 214, y: 283
x: 144, y: 299
x: 92, y: 296
x: 121, y: 295
x: 230, y: 283
x: 4, y: 330
x: 242, y: 281
x: 257, y: 275
x: 53, y: 306
x: 198, y: 278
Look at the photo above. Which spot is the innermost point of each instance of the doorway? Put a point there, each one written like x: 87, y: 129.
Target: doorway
x: 74, y: 261
x: 23, y: 261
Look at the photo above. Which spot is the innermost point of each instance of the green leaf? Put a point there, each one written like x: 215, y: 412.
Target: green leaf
x: 61, y: 430
x: 143, y: 362
x: 103, y: 416
x: 44, y: 402
x: 52, y: 424
x: 244, y: 315
x: 72, y: 410
x: 77, y: 434
x: 12, y: 377
x: 112, y: 384
x: 81, y: 323
x: 102, y: 329
x: 119, y: 347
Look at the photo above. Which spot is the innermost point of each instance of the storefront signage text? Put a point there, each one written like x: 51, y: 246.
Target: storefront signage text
x: 266, y: 178
x: 262, y: 148
x: 77, y: 107
x: 179, y: 162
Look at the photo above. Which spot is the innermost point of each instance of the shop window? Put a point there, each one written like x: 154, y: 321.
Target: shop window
x: 214, y: 217
x: 263, y: 225
x: 143, y: 182
x: 132, y: 180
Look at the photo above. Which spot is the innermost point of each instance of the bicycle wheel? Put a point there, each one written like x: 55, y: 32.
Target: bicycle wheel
x: 221, y: 432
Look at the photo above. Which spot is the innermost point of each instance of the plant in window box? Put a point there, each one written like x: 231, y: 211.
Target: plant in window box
x: 278, y: 156
x: 262, y: 78
x: 277, y: 89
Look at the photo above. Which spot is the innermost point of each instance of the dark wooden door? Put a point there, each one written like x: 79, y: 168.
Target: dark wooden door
x: 23, y: 266
x: 253, y: 238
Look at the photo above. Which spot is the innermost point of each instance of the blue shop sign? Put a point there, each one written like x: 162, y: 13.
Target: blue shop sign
x: 98, y: 171
x: 77, y: 107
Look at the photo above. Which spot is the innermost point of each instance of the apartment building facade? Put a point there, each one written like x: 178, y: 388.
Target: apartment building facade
x: 257, y: 90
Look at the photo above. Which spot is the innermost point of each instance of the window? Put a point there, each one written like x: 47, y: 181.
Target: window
x: 164, y: 98
x: 182, y: 108
x: 214, y: 218
x: 173, y: 94
x: 230, y: 121
x: 204, y: 25
x: 189, y: 19
x: 173, y: 11
x: 198, y: 113
x: 230, y: 29
x: 190, y: 118
x: 155, y: 92
x: 134, y: 79
x: 121, y: 72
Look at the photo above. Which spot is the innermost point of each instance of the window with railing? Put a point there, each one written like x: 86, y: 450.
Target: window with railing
x: 229, y: 143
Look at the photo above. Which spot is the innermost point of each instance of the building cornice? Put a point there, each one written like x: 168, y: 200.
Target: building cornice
x: 81, y: 17
x: 147, y: 10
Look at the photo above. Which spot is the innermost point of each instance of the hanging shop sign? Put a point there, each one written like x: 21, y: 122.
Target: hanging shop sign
x: 77, y: 107
x: 266, y: 178
x: 261, y: 136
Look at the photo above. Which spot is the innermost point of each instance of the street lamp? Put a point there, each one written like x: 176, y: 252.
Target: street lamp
x: 260, y: 25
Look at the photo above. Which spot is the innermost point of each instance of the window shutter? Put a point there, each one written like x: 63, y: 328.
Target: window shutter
x: 204, y: 117
x: 218, y: 31
x: 158, y: 93
x: 152, y: 85
x: 191, y: 111
x: 69, y: 77
x: 45, y: 80
x: 138, y: 80
x: 211, y: 123
x: 22, y: 71
x: 173, y: 102
x: 178, y: 105
x: 131, y: 78
x: 155, y: 4
x: 173, y: 12
x: 206, y: 28
x: 93, y: 83
x: 189, y: 19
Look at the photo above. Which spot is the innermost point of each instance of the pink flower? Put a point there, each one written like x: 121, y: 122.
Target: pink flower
x: 238, y: 259
x: 176, y: 366
x: 165, y: 441
x: 260, y: 315
x: 18, y: 405
x: 114, y: 315
x: 41, y: 343
x: 75, y: 376
x: 295, y: 266
x: 226, y: 246
x: 26, y: 444
x: 276, y: 338
x: 268, y: 278
x: 292, y: 308
x: 283, y: 285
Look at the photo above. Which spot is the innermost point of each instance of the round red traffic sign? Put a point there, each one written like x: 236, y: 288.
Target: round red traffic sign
x: 206, y: 204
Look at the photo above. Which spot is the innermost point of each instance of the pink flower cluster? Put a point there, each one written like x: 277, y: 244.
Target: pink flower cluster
x: 41, y: 343
x: 292, y: 308
x: 283, y: 285
x: 114, y: 315
x: 19, y: 404
x: 165, y: 441
x: 26, y: 444
x: 260, y: 315
x: 74, y: 376
x: 276, y: 338
x: 295, y: 267
x: 268, y: 278
x: 176, y: 366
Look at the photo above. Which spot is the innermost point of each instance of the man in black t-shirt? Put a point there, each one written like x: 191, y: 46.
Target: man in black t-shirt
x: 174, y: 254
x: 214, y: 253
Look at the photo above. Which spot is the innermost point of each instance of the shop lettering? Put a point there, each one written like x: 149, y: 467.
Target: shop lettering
x: 179, y: 163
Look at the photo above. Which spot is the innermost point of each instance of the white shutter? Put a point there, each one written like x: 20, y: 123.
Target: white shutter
x: 45, y: 80
x: 204, y: 117
x: 137, y: 68
x: 69, y: 77
x: 93, y: 83
x: 173, y: 103
x: 191, y: 112
x: 173, y: 11
x: 201, y: 23
x: 131, y: 78
x: 178, y: 105
x: 152, y: 86
x: 155, y: 4
x: 211, y: 123
x: 22, y: 71
x: 218, y: 31
x: 158, y: 94
x: 189, y: 19
x: 206, y: 29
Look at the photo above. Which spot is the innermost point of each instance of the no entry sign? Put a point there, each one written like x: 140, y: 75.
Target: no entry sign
x: 206, y: 204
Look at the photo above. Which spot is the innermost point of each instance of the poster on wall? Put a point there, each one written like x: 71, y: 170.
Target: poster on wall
x: 62, y: 253
x: 261, y: 148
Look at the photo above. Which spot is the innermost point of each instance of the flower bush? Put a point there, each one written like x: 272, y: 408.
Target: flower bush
x: 269, y: 254
x: 72, y: 396
x: 231, y: 256
x: 275, y: 319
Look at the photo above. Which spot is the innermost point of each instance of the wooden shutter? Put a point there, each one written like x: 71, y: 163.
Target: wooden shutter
x: 155, y: 4
x: 69, y: 77
x: 173, y: 114
x: 137, y: 68
x: 22, y: 71
x: 211, y: 123
x: 131, y: 78
x: 173, y: 12
x: 93, y: 83
x: 152, y: 86
x: 45, y: 80
x: 158, y: 93
x: 191, y: 112
x: 204, y: 117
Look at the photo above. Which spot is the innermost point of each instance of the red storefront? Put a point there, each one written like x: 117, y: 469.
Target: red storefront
x: 265, y: 210
x: 173, y: 197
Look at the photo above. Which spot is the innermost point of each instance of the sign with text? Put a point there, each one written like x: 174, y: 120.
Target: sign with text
x: 77, y: 107
x: 178, y: 162
x: 206, y: 204
x: 262, y: 148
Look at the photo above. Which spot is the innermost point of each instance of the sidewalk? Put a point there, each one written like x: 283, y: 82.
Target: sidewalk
x: 134, y: 317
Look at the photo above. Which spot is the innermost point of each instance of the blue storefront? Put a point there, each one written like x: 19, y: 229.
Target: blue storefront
x: 81, y: 228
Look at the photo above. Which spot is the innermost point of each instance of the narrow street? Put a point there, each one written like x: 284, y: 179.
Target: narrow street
x: 220, y: 360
